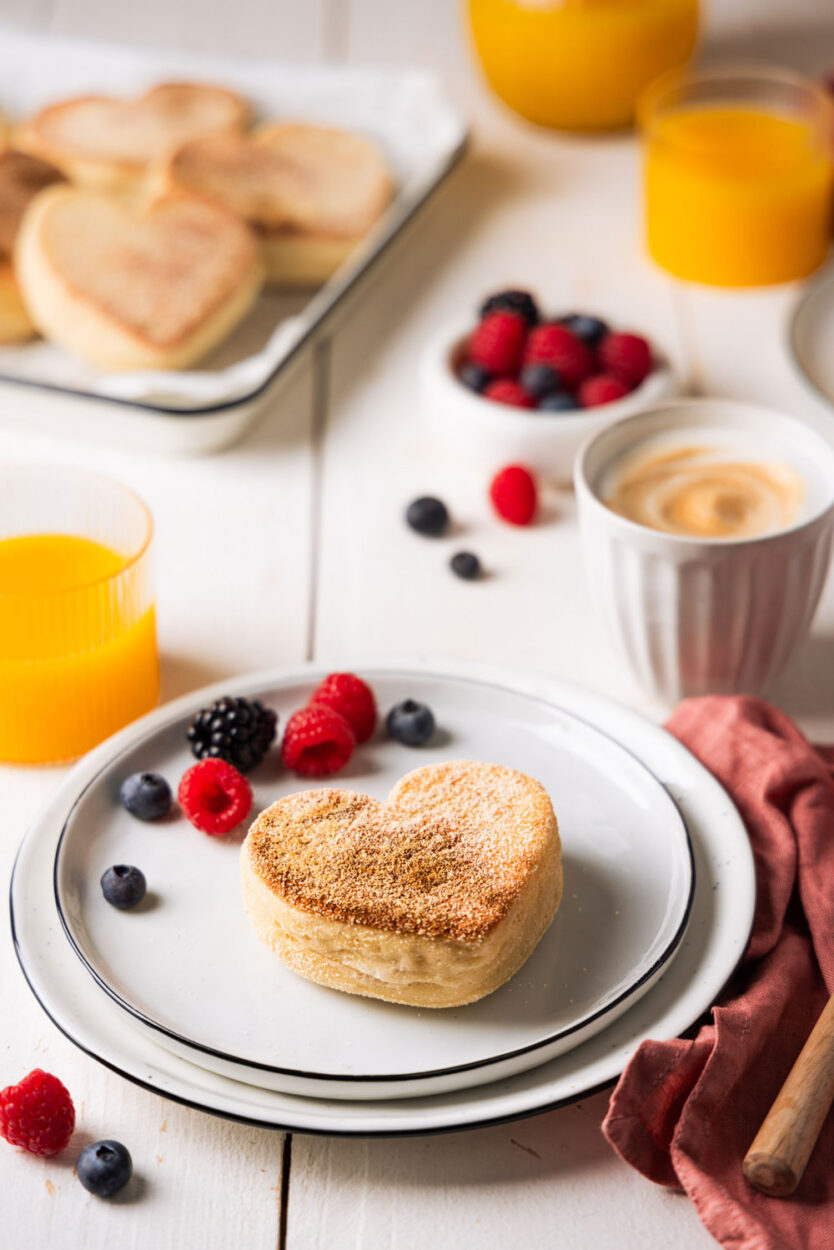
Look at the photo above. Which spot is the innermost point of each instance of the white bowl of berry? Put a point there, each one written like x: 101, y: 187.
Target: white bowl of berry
x: 520, y: 387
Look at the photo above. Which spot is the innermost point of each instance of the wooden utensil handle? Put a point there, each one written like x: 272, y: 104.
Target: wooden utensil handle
x: 776, y: 1160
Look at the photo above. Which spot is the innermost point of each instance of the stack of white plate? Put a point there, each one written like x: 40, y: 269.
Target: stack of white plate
x: 180, y: 996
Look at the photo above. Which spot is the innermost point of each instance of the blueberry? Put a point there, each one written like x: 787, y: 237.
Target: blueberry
x: 473, y: 376
x: 123, y: 886
x: 104, y: 1167
x: 428, y: 516
x: 411, y: 723
x: 147, y: 796
x: 539, y: 380
x: 589, y: 329
x: 466, y: 565
x: 560, y: 402
x: 520, y: 302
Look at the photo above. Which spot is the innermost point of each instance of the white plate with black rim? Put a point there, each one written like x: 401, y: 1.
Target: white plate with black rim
x: 715, y: 937
x: 187, y: 966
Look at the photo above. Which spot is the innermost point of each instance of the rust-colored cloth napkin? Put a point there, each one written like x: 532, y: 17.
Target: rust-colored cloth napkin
x: 684, y: 1112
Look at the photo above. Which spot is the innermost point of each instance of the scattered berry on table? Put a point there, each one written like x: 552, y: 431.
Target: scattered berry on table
x: 317, y: 741
x: 123, y: 886
x: 428, y: 515
x: 627, y: 356
x: 589, y: 329
x: 466, y: 565
x: 507, y: 391
x: 497, y: 343
x: 562, y: 401
x: 539, y: 380
x: 147, y: 796
x: 104, y: 1167
x: 520, y: 302
x: 239, y: 731
x: 352, y: 698
x: 553, y: 344
x: 411, y: 723
x: 37, y: 1113
x: 473, y: 376
x: 214, y: 796
x: 601, y: 389
x: 513, y: 494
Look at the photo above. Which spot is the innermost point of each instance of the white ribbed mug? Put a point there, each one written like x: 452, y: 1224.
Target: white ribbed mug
x: 707, y: 616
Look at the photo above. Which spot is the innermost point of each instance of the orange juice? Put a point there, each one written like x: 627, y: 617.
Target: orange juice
x: 737, y: 195
x: 77, y: 645
x: 580, y: 64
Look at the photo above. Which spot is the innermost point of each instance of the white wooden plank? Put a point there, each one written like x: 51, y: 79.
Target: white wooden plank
x: 232, y: 567
x: 288, y: 31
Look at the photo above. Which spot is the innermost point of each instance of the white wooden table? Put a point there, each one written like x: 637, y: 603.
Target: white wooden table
x: 291, y: 546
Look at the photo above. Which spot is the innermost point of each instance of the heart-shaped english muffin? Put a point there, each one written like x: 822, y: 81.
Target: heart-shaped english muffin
x: 109, y: 143
x: 311, y: 192
x: 129, y: 288
x: 22, y: 177
x: 434, y: 898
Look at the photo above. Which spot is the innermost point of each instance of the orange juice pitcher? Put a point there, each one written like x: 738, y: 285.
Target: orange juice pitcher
x: 580, y: 64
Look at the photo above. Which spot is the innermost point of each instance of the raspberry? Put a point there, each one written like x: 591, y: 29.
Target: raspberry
x: 555, y: 345
x: 513, y: 494
x: 627, y: 356
x: 602, y: 388
x: 352, y: 698
x: 37, y: 1114
x: 506, y: 391
x: 497, y: 343
x: 214, y: 796
x: 317, y: 741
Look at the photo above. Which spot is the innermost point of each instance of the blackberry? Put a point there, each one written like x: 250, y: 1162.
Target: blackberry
x: 520, y: 302
x: 238, y: 731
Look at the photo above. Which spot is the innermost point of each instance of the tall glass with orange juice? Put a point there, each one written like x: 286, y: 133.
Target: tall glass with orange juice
x: 78, y: 656
x: 738, y: 176
x: 580, y: 64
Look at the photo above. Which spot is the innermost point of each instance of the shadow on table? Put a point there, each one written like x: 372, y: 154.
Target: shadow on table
x: 804, y: 46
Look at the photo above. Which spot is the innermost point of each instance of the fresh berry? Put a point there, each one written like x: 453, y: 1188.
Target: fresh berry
x: 411, y: 723
x: 214, y: 796
x: 520, y: 302
x: 147, y: 796
x: 317, y: 741
x: 497, y: 343
x: 506, y: 391
x: 123, y: 886
x: 104, y: 1167
x: 539, y: 380
x: 428, y: 516
x: 555, y: 345
x: 627, y: 356
x: 602, y: 388
x: 352, y: 698
x: 473, y: 376
x: 562, y: 401
x: 238, y: 731
x: 589, y: 329
x: 513, y: 494
x: 466, y: 565
x: 37, y: 1113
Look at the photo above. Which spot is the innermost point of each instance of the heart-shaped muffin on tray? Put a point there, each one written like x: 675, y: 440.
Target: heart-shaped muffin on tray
x: 108, y: 143
x: 135, y: 288
x: 311, y: 192
x: 434, y: 898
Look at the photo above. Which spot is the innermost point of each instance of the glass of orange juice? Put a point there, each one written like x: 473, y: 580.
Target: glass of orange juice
x: 78, y: 657
x: 580, y: 64
x: 738, y: 175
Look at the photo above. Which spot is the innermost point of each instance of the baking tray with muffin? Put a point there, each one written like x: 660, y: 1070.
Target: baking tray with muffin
x: 175, y: 229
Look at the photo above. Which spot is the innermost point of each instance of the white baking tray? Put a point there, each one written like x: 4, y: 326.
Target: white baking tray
x: 205, y: 408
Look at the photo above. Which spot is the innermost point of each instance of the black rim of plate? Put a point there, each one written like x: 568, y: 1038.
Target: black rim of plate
x: 376, y: 1078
